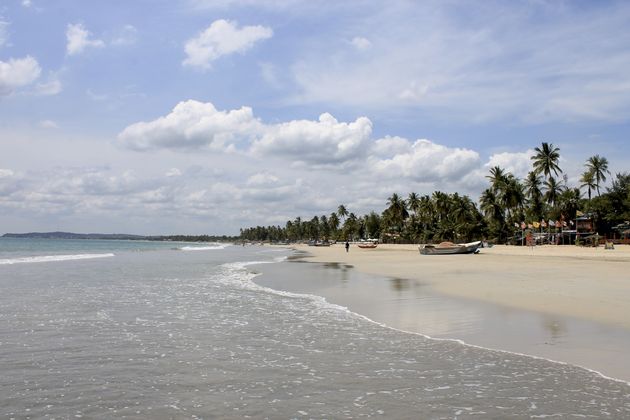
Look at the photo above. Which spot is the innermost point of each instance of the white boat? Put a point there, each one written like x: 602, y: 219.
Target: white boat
x: 449, y: 248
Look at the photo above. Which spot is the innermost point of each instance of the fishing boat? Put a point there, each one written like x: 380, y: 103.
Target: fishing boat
x: 367, y: 245
x: 449, y: 248
x: 318, y: 243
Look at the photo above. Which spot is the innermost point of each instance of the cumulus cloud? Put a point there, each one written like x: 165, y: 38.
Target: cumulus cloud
x: 79, y: 39
x: 429, y: 162
x: 192, y: 125
x: 324, y: 141
x: 17, y: 73
x: 221, y: 38
x: 517, y: 163
x: 389, y: 146
x: 197, y: 125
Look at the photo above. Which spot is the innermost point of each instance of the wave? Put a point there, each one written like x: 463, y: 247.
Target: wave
x: 202, y: 248
x: 51, y: 258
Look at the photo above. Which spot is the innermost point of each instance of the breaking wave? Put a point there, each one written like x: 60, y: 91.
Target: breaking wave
x: 51, y: 258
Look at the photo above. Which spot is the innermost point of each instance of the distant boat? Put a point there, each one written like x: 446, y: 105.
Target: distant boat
x: 449, y: 248
x: 367, y: 245
x: 319, y: 243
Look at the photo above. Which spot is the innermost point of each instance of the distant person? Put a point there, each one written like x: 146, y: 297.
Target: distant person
x: 347, y: 246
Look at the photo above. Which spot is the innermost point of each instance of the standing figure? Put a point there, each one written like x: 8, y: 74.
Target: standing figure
x: 347, y: 246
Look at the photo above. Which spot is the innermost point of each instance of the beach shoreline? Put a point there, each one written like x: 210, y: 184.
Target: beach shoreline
x: 587, y: 283
x: 567, y: 305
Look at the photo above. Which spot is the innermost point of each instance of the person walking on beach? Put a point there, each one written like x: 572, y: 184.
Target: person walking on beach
x: 347, y: 246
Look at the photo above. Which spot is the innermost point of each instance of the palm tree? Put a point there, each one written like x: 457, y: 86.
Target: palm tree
x: 497, y: 177
x: 599, y: 166
x: 397, y: 211
x: 546, y: 159
x: 588, y: 181
x: 513, y: 195
x: 533, y: 184
x: 341, y: 211
x: 492, y: 209
x: 553, y: 189
x: 333, y: 222
x: 413, y: 202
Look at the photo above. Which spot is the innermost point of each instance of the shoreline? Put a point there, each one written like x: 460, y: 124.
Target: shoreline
x: 587, y: 283
x: 457, y: 297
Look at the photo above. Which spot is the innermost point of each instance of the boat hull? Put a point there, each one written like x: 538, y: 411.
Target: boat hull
x: 470, y: 248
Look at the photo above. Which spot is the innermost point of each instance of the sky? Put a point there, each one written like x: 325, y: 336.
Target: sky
x: 206, y: 116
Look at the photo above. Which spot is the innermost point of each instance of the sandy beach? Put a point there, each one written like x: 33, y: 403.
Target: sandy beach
x: 587, y: 283
x: 563, y: 303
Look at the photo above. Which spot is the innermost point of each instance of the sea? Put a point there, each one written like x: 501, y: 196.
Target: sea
x: 168, y: 330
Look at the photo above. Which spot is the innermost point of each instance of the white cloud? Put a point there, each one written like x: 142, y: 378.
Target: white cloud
x: 326, y: 141
x: 6, y: 173
x: 173, y: 172
x: 262, y: 178
x: 79, y: 39
x: 429, y: 162
x: 52, y: 87
x: 517, y: 163
x: 361, y: 43
x: 414, y: 92
x: 192, y: 125
x: 17, y: 73
x: 27, y: 3
x: 389, y: 146
x: 221, y: 38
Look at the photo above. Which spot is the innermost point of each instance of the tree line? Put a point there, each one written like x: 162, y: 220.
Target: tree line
x: 504, y: 206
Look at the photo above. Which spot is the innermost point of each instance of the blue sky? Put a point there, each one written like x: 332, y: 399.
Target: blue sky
x: 199, y: 116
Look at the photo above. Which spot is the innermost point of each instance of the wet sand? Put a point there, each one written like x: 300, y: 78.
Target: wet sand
x: 562, y: 303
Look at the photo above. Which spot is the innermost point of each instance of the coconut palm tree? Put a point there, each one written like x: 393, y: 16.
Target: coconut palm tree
x: 546, y: 160
x: 497, y: 178
x: 513, y: 195
x: 588, y: 181
x: 397, y: 211
x: 413, y: 202
x: 492, y: 209
x: 599, y: 166
x: 333, y: 222
x: 553, y: 189
x: 342, y: 211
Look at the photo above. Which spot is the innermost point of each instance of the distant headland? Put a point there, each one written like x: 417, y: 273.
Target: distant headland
x: 120, y: 236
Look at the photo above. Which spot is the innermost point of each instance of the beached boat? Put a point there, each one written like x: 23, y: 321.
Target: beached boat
x: 449, y: 248
x: 367, y: 245
x: 318, y: 243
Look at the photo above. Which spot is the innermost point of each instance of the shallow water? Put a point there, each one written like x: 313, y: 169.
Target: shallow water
x: 176, y: 334
x: 411, y: 305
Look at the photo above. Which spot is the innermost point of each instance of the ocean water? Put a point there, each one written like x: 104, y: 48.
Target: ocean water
x: 120, y: 329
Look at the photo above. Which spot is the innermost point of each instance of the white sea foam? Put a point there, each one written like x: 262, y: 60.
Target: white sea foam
x: 51, y: 258
x: 203, y: 248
